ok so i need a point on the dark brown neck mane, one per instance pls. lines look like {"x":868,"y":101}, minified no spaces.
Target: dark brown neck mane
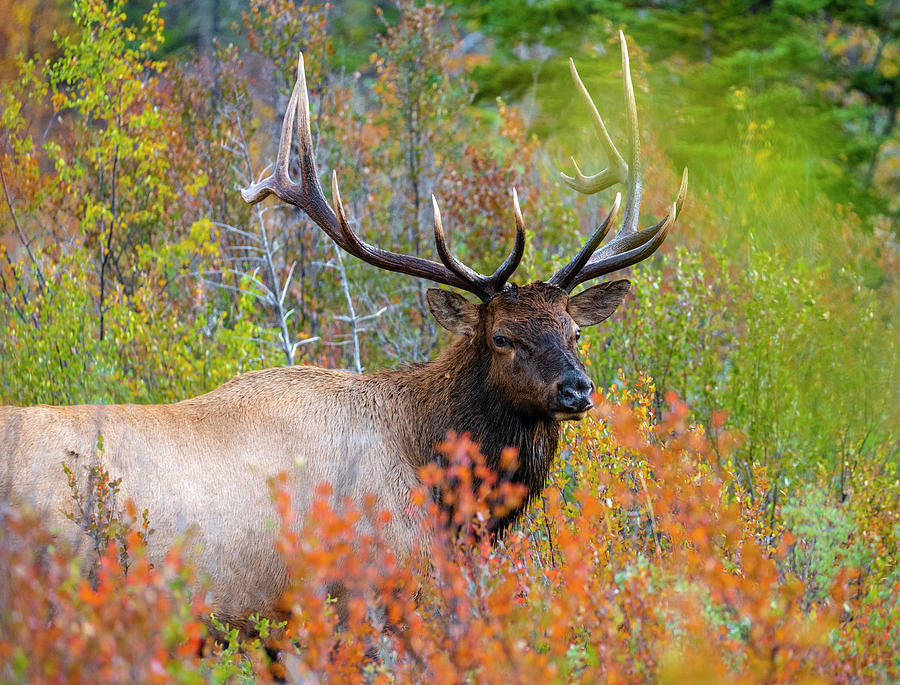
{"x":451,"y":393}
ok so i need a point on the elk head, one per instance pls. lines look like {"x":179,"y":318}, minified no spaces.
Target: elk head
{"x":528,"y":333}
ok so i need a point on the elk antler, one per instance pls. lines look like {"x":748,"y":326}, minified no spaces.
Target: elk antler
{"x":308,"y":196}
{"x":630,"y":244}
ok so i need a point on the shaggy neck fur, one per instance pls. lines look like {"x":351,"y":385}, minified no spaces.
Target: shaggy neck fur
{"x":452,"y":393}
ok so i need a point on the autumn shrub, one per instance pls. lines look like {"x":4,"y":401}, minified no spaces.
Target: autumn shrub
{"x":642,"y":560}
{"x":126,"y":623}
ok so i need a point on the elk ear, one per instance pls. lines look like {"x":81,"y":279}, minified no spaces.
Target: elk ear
{"x":596,"y":304}
{"x":452,"y":311}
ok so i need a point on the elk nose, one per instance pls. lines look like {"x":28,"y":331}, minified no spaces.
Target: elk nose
{"x":573,"y":392}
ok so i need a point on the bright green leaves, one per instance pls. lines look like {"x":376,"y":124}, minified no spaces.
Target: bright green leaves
{"x":104,"y":91}
{"x":801,"y":363}
{"x":112,"y":309}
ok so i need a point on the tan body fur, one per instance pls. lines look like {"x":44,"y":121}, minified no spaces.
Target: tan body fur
{"x":200,"y":467}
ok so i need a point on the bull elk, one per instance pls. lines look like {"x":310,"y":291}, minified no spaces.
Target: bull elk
{"x":510,"y":376}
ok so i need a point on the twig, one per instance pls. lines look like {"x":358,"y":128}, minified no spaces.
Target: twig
{"x":653,"y":526}
{"x":21,"y":233}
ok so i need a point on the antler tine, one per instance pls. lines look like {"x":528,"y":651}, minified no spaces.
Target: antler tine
{"x":392,"y":261}
{"x":630,"y":245}
{"x":630,"y":249}
{"x":511,"y":263}
{"x":617,"y":171}
{"x":308,"y":196}
{"x":278,"y":183}
{"x":450,"y":260}
{"x":643,"y":244}
{"x":561,"y":278}
{"x":626,"y":240}
{"x":487,"y":285}
{"x":633,"y":206}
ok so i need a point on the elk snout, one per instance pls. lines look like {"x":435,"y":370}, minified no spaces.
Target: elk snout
{"x":573,"y":395}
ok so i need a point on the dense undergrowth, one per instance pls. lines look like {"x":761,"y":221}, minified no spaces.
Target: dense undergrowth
{"x":730,"y":513}
{"x":646,"y":559}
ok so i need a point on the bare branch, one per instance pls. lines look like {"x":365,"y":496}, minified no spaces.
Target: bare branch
{"x":37,"y":267}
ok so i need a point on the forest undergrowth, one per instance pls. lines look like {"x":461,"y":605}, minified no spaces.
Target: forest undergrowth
{"x":645,"y":558}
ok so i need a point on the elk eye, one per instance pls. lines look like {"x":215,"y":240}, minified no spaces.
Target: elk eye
{"x":502,"y":341}
{"x":577,"y":333}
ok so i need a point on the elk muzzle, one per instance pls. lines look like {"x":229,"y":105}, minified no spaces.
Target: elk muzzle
{"x":573,"y":396}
